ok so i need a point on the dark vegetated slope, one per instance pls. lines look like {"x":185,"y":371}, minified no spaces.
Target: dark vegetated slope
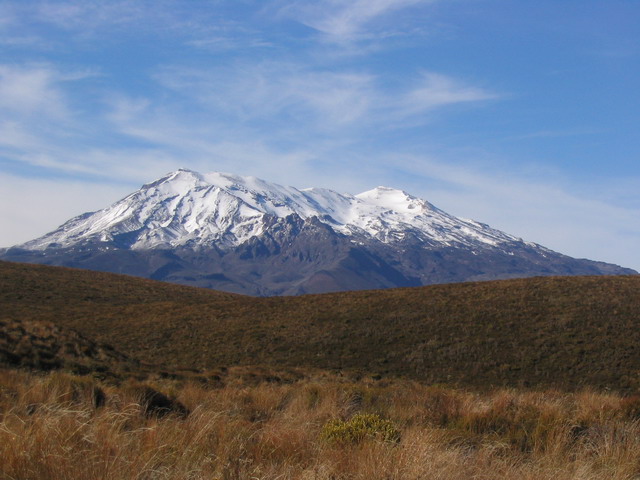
{"x":42,"y":345}
{"x":566,"y":332}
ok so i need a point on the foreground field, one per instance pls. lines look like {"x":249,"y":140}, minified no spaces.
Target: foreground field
{"x":60,"y":426}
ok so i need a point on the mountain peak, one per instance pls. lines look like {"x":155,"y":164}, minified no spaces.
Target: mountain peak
{"x":187,"y":207}
{"x":248,"y":235}
{"x":181,"y":176}
{"x":395,"y":200}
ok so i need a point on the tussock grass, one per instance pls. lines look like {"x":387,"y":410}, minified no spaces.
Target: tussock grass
{"x":360,"y":427}
{"x":52,"y":428}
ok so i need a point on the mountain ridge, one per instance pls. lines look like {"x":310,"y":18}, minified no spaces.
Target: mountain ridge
{"x":212,"y":205}
{"x":247,"y":235}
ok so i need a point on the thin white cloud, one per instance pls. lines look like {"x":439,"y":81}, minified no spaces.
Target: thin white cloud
{"x":87,"y":15}
{"x":92,"y":22}
{"x":28,"y":90}
{"x":36,"y":90}
{"x":339,"y":98}
{"x":213,"y":42}
{"x":39,"y":118}
{"x":15,"y":135}
{"x":437,"y":90}
{"x":344,"y":20}
{"x":324,"y":100}
{"x":180,"y":141}
{"x":201,"y":25}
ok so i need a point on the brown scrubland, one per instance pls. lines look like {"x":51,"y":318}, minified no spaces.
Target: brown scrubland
{"x":112,"y":377}
{"x":548,"y":332}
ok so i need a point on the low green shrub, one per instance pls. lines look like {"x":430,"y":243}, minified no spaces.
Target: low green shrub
{"x":360,"y":427}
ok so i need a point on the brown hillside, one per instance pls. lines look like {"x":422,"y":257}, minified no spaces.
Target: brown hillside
{"x":45,"y":346}
{"x":567,"y":332}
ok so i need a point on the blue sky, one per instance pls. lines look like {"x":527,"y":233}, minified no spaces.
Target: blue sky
{"x":515,"y":113}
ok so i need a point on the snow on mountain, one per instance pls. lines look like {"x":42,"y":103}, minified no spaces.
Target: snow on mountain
{"x":249,"y":236}
{"x":186,"y":207}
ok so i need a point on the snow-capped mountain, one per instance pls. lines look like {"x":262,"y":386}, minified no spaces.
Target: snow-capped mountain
{"x":189,"y":208}
{"x":247,"y":235}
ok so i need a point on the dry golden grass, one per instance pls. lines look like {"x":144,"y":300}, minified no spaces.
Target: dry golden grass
{"x":51,"y":428}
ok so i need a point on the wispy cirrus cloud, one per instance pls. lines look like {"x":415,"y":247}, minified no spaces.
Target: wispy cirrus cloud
{"x":239,"y":113}
{"x":92,"y":23}
{"x":39,"y":94}
{"x":344,"y":20}
{"x":41,"y":121}
{"x":31,"y":89}
{"x":328,"y":100}
{"x":435,"y":90}
{"x":277,"y":90}
{"x":35,"y":112}
{"x":86,"y":16}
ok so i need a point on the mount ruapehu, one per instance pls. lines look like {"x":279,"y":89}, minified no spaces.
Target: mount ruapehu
{"x":246,"y":235}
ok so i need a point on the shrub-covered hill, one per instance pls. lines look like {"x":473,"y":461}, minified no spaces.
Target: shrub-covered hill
{"x":44,"y":346}
{"x":566,"y":332}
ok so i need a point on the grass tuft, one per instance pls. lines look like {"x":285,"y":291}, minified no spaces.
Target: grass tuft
{"x":360,"y":427}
